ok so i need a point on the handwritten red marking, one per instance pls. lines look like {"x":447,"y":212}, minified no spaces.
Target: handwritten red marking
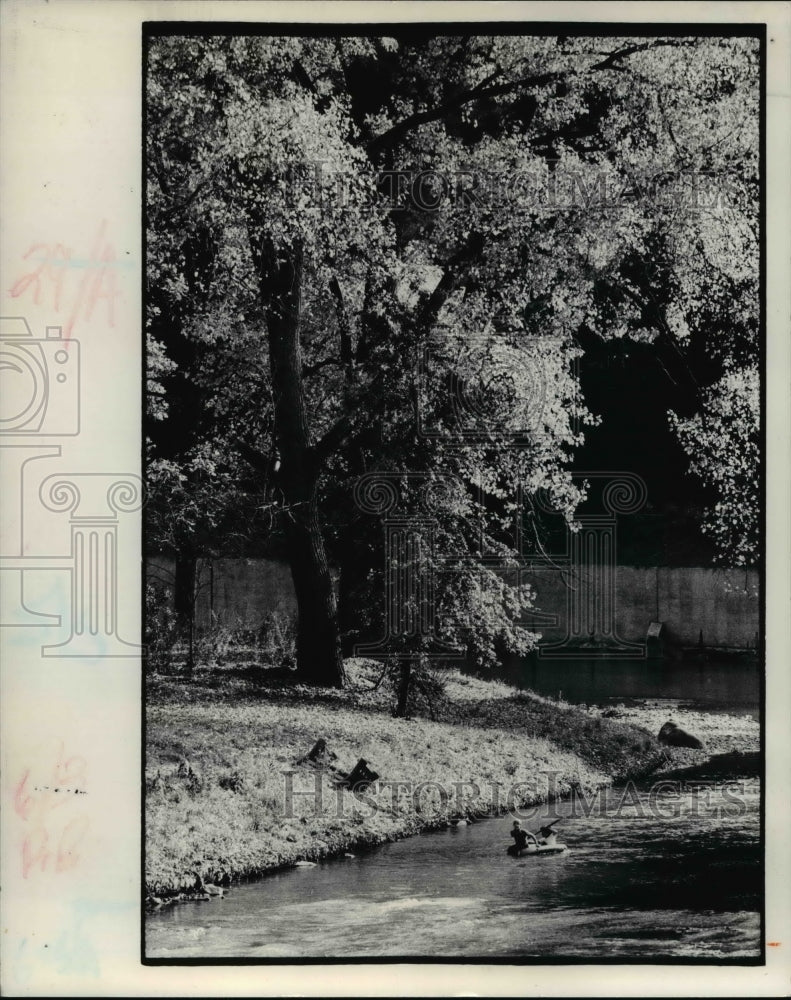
{"x":23,"y":803}
{"x":47,"y":268}
{"x":73,"y":832}
{"x":54,"y":262}
{"x":43,"y":849}
{"x":34,"y":850}
{"x":773,"y":944}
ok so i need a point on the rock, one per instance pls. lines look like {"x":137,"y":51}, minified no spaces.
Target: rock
{"x":201,"y":889}
{"x":671,"y":735}
{"x":304,"y":864}
{"x":360,"y":777}
{"x":319,"y":755}
{"x":350,"y":855}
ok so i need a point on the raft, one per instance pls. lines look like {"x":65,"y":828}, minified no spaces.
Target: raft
{"x":532,"y":849}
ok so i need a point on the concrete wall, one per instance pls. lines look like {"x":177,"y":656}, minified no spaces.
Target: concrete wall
{"x":722,"y":603}
{"x":242,"y":591}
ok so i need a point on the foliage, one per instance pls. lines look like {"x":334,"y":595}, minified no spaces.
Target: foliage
{"x":606,"y":190}
{"x":724,"y":442}
{"x":277,"y":642}
{"x":217,"y":644}
{"x":162,"y":632}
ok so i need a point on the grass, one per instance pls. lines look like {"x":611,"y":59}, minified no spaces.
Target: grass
{"x":225,"y":789}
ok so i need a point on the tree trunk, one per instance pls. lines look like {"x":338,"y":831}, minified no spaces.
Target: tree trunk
{"x":405,"y":682}
{"x":319,"y":658}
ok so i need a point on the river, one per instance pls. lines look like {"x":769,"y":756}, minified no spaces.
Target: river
{"x":713,"y":686}
{"x":669,"y":874}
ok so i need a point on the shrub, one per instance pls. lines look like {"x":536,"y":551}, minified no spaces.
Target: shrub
{"x":421,"y":691}
{"x":277,"y":639}
{"x":232,"y":782}
{"x":161,"y":630}
{"x":216,"y":645}
{"x":193,"y":782}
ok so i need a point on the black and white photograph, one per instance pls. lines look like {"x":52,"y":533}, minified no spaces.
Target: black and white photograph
{"x":394,"y":492}
{"x":454,"y":456}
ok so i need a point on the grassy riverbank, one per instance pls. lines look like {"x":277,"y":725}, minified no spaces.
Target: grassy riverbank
{"x":731,"y":743}
{"x":225,"y":789}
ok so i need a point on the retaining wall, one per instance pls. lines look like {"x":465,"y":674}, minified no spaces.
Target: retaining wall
{"x":723,"y":604}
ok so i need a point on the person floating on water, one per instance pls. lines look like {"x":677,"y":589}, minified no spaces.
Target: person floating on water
{"x":524,"y":838}
{"x":548,"y":835}
{"x":519,"y":835}
{"x":521,"y":838}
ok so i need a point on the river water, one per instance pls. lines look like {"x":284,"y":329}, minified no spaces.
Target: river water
{"x":673,"y":873}
{"x":712,"y":686}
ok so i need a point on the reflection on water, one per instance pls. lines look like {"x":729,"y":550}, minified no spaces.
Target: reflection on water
{"x":714,"y":686}
{"x":674,"y":875}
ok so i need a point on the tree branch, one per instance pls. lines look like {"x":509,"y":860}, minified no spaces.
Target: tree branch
{"x":653,"y":310}
{"x":259,"y":461}
{"x":181,"y":205}
{"x":341,"y":430}
{"x":344,"y":328}
{"x":331,"y":440}
{"x":609,"y":62}
{"x":371,"y":321}
{"x":300,"y":74}
{"x":308,"y":370}
{"x":450,"y":279}
{"x":483,"y":91}
{"x":400,"y":129}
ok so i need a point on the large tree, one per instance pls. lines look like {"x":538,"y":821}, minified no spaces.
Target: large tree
{"x":326,"y":210}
